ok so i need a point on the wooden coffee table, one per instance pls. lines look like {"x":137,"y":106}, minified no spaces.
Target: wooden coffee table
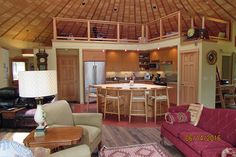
{"x":55,"y":137}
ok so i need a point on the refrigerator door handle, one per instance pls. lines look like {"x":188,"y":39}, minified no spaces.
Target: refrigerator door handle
{"x":95,"y":74}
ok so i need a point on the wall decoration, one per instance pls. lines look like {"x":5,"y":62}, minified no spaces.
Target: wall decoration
{"x":212,"y":57}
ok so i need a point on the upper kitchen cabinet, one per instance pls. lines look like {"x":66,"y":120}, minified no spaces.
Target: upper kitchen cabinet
{"x":167,"y":57}
{"x":94,"y":55}
{"x":122,"y":61}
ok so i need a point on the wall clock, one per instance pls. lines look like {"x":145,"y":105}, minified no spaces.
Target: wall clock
{"x":192,"y":33}
{"x":42,"y":60}
{"x":212,"y":57}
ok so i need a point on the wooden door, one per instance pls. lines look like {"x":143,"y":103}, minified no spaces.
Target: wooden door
{"x":189,"y":77}
{"x":68,"y":77}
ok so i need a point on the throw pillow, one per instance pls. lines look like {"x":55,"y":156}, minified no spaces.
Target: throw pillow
{"x":177,"y":117}
{"x":228,"y":152}
{"x":195,"y":111}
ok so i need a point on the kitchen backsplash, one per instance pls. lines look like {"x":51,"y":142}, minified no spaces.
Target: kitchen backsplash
{"x":123,"y":74}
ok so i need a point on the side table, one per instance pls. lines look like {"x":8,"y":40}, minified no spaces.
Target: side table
{"x":9,"y":117}
{"x":55,"y":138}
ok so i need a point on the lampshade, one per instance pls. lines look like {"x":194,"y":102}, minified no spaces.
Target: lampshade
{"x":34,"y":84}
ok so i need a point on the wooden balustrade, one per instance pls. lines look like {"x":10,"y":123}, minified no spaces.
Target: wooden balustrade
{"x":110,"y":31}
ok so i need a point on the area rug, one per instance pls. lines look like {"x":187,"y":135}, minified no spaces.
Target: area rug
{"x":140,"y":150}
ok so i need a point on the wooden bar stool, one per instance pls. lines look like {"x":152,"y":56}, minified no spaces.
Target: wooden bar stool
{"x":94,"y":94}
{"x":159,"y":96}
{"x":112,"y":98}
{"x":138,"y":95}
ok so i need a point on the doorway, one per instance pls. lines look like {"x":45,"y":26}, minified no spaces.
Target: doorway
{"x":68,"y":74}
{"x":189,"y":76}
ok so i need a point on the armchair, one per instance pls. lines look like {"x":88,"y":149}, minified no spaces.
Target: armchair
{"x":59,"y":113}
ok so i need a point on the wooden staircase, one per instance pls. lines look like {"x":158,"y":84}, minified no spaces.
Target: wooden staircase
{"x":219,"y":95}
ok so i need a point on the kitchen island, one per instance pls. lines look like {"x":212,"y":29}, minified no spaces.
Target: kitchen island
{"x":124,"y":91}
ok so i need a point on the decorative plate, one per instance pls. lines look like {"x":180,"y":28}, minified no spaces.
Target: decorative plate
{"x":14,"y":149}
{"x":190,"y":33}
{"x":212,"y":57}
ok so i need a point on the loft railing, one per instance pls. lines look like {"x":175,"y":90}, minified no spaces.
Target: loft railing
{"x":109,"y":31}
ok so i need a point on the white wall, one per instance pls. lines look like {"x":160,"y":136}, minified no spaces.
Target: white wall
{"x":4,"y":67}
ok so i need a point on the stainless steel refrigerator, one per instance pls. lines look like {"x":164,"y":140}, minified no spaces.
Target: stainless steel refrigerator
{"x":94,"y":73}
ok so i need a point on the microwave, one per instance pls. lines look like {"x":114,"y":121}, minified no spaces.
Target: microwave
{"x":154,"y":65}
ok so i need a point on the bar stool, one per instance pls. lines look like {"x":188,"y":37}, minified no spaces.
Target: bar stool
{"x":159,"y":95}
{"x":112,"y":96}
{"x":138,"y":95}
{"x":94,"y":93}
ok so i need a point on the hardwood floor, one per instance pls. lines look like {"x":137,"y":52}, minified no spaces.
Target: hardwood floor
{"x":113,"y":136}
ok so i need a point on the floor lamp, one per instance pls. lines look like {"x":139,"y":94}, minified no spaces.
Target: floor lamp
{"x":38,"y":84}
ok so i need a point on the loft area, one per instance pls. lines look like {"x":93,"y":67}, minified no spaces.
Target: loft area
{"x":172,"y":25}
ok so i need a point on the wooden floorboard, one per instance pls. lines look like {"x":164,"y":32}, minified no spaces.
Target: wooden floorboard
{"x":113,"y":136}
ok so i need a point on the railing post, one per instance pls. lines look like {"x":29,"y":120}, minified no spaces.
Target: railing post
{"x":203,"y":22}
{"x":54,"y":28}
{"x":88,"y":25}
{"x":179,"y":24}
{"x":192,"y":22}
{"x":161,"y":33}
{"x":118,"y":32}
{"x":142,"y":31}
{"x":147,"y":36}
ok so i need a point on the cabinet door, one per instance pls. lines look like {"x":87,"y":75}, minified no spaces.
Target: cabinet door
{"x":130,"y":61}
{"x":113,"y":61}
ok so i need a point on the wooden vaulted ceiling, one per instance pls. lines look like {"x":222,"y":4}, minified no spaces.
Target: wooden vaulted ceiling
{"x":31,"y":20}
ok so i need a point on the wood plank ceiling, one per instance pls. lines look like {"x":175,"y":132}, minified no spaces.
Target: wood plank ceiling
{"x":31,"y":20}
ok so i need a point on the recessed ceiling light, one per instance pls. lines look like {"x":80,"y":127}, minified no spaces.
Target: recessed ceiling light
{"x":158,"y":48}
{"x":115,"y":9}
{"x":125,"y":50}
{"x":154,"y":7}
{"x":83,"y":3}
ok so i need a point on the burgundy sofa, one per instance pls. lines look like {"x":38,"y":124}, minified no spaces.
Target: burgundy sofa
{"x":215,"y":122}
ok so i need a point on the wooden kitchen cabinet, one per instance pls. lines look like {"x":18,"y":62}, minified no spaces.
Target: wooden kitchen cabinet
{"x":122,"y":61}
{"x":92,"y":55}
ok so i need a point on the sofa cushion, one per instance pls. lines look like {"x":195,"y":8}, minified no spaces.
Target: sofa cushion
{"x":93,"y":132}
{"x":200,"y":141}
{"x":177,"y":128}
{"x":58,"y":112}
{"x":221,"y":122}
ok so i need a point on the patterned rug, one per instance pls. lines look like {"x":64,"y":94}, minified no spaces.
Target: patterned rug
{"x":140,"y":150}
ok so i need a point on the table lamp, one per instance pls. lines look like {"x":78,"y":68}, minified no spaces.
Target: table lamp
{"x":38,"y":84}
